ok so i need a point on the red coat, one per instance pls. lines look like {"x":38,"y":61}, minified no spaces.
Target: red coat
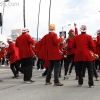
{"x":49,"y":47}
{"x":2,"y":52}
{"x":70,"y":49}
{"x":98,"y":45}
{"x":76,"y":31}
{"x":33,"y":48}
{"x":13,"y":52}
{"x":23,"y":42}
{"x":95,"y":42}
{"x":37,"y":47}
{"x":83,"y":44}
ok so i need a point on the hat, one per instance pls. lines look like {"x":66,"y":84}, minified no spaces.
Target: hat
{"x":9,"y":39}
{"x":98,"y":31}
{"x":25,"y":30}
{"x":94,"y":38}
{"x":52,"y":27}
{"x":83,"y":28}
{"x":70,"y":31}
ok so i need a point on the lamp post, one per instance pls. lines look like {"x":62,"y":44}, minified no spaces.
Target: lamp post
{"x":3,"y":14}
{"x":49,"y":13}
{"x":24,"y":20}
{"x":65,"y":26}
{"x":38,"y":19}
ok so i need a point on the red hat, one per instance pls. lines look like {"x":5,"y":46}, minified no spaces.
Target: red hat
{"x":71,"y":30}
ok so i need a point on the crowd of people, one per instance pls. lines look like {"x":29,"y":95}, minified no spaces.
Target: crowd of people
{"x":80,"y":51}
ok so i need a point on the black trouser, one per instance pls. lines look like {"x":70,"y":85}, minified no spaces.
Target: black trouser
{"x":69,"y":59}
{"x":40,"y":64}
{"x":97,"y":62}
{"x":94,"y":71}
{"x":89,"y":65}
{"x":56,"y":65}
{"x":71,"y":67}
{"x":3,"y":60}
{"x":15,"y":68}
{"x":61,"y":64}
{"x":27,"y":65}
{"x":45,"y":72}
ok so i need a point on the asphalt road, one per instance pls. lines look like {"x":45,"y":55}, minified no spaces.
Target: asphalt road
{"x":15,"y":89}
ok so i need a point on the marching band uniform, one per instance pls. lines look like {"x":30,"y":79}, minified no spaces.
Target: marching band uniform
{"x":50,"y":51}
{"x":23,"y":42}
{"x":63,"y":55}
{"x":70,"y":51}
{"x":83,"y":44}
{"x":13,"y":53}
{"x":40,"y":61}
{"x":98,"y":47}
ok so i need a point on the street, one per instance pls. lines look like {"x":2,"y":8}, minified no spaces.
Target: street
{"x":15,"y":89}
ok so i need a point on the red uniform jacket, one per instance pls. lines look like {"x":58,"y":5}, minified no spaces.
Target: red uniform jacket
{"x":98,"y":45}
{"x":2,"y":52}
{"x":83,"y":44}
{"x":37,"y":47}
{"x":33,"y":48}
{"x":70,"y":49}
{"x":23,"y":42}
{"x":13,"y":52}
{"x":95,"y":42}
{"x":50,"y":48}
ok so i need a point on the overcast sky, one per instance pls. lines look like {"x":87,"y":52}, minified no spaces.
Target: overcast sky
{"x":63,"y":12}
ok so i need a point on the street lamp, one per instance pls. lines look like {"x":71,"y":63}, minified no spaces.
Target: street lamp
{"x":65,"y":26}
{"x":49,"y":13}
{"x":24,"y":14}
{"x":38,"y":19}
{"x":3,"y":13}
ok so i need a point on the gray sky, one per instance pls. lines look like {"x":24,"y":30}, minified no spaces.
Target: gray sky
{"x":63,"y":12}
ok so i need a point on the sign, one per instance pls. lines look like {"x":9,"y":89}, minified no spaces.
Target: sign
{"x":15,"y":33}
{"x":62,"y":34}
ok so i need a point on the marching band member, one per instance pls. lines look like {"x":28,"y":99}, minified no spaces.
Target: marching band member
{"x":23,"y":42}
{"x":83,"y":44}
{"x":63,"y":54}
{"x":70,"y":51}
{"x":98,"y":48}
{"x":40,"y":61}
{"x":13,"y":53}
{"x":50,"y":51}
{"x":2,"y":53}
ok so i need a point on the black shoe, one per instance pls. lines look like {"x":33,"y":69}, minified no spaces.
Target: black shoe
{"x":92,"y":86}
{"x":43,"y":74}
{"x":32,"y":81}
{"x":59,"y":75}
